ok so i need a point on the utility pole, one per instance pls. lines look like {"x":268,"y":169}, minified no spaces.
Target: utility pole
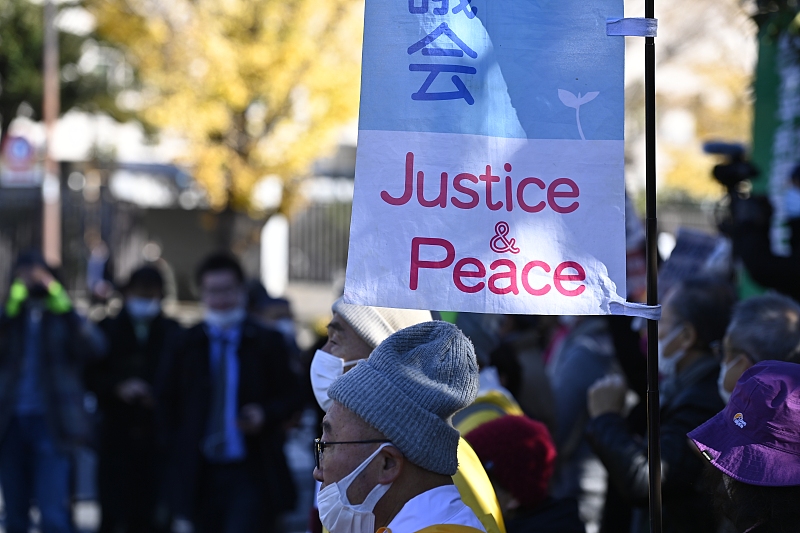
{"x":51,"y":185}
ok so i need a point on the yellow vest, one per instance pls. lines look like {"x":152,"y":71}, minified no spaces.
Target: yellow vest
{"x":473,"y":484}
{"x":476,"y":492}
{"x":439,"y":528}
{"x":485,"y":408}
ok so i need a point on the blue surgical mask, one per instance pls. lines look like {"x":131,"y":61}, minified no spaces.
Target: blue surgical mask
{"x":143,"y":308}
{"x":224,"y":319}
{"x":285,"y":326}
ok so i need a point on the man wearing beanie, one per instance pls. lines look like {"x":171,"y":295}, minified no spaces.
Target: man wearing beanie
{"x":519,"y":455}
{"x":388,"y":449}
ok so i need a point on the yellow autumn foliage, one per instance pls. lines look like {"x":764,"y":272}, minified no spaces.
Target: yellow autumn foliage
{"x":725,"y":114}
{"x":255,"y":87}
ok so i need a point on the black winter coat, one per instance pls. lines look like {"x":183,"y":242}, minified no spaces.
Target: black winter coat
{"x":552,"y":516}
{"x":265,"y":378}
{"x":688,"y":401}
{"x":126,"y":358}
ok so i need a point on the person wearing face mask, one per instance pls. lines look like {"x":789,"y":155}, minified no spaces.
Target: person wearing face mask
{"x":44,"y":345}
{"x":130,"y":456}
{"x":762,"y":328}
{"x":584,"y":354}
{"x":752,"y":449}
{"x":695,"y":314}
{"x":274,"y":313}
{"x":353,"y":333}
{"x":388,"y":451}
{"x":228,"y":393}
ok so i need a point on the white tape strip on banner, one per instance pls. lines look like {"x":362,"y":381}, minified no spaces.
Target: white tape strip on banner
{"x":631,"y":27}
{"x":622,"y":307}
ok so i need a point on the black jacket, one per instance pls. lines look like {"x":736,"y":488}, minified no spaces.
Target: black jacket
{"x":126,"y":358}
{"x":552,"y":516}
{"x":67,"y":343}
{"x":751,"y":242}
{"x":687,"y":401}
{"x":265,"y":378}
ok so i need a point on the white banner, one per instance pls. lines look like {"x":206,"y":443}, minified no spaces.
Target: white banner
{"x":490,"y":167}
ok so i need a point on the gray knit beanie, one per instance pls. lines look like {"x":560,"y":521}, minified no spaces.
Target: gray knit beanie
{"x":410,"y":388}
{"x":374,"y":324}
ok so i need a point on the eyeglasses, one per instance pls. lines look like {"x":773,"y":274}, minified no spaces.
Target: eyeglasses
{"x":319,"y":446}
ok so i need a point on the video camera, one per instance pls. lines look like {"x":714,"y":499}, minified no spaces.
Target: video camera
{"x":736,"y":167}
{"x":738,"y":206}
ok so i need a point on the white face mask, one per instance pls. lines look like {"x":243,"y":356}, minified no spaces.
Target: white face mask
{"x":667,"y":365}
{"x":224,"y":319}
{"x":143,"y":308}
{"x":336,"y":512}
{"x":325,"y":368}
{"x":285,"y":326}
{"x":723,"y":371}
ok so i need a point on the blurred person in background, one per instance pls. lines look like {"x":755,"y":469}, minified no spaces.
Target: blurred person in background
{"x":695,"y":314}
{"x":630,"y":348}
{"x":578,"y":359}
{"x":519,"y":456}
{"x":521,"y":363}
{"x":99,"y":268}
{"x":494,"y":399}
{"x":353,"y":333}
{"x":753,"y":449}
{"x":275,"y":313}
{"x":44,"y":345}
{"x":131,"y":454}
{"x":750,"y":228}
{"x":762,"y":328}
{"x":228,"y":394}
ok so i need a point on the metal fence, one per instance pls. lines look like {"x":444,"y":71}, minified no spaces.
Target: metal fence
{"x":318,"y":240}
{"x":115,"y":223}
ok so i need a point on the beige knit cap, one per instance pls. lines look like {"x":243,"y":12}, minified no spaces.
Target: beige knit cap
{"x":375,"y":324}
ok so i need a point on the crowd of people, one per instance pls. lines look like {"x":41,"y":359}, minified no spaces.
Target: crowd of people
{"x":190,"y":423}
{"x":434,"y":422}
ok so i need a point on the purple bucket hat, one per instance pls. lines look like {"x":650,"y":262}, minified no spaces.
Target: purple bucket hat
{"x":756,"y":438}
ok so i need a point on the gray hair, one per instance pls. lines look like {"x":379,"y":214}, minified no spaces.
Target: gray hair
{"x":766,"y":327}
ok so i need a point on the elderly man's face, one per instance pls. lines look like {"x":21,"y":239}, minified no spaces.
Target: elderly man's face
{"x":338,"y":460}
{"x":344,"y":342}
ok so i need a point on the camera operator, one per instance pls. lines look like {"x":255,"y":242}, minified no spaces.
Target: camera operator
{"x":750,"y":219}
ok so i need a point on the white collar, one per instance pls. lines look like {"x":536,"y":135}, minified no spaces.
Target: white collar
{"x":441,"y":505}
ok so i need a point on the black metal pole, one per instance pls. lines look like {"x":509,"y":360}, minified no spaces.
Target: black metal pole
{"x":651,"y":234}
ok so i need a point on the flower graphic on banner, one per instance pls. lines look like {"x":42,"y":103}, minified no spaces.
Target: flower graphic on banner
{"x":570,"y":100}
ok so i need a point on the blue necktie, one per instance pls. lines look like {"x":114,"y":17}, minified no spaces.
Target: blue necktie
{"x":216,"y":443}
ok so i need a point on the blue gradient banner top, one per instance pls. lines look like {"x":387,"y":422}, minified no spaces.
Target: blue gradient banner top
{"x":535,"y":69}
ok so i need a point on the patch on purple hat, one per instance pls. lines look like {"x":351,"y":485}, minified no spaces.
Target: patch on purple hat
{"x":755,"y":439}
